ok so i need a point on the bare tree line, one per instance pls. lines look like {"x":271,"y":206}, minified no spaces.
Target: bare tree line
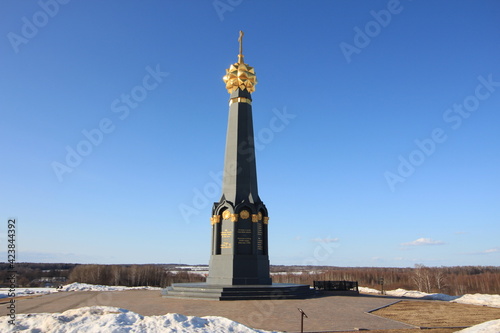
{"x":28,"y":274}
{"x":447,"y":280}
{"x":132,"y":275}
{"x":457,"y":280}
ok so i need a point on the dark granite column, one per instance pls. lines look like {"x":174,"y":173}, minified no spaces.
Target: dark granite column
{"x":240,"y":218}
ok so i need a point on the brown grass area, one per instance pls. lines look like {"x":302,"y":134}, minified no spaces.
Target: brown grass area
{"x":438,"y":314}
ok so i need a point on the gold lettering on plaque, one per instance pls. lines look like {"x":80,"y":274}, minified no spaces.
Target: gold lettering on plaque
{"x":225,"y":235}
{"x":245,"y":240}
{"x":260,"y":246}
{"x":244,"y":231}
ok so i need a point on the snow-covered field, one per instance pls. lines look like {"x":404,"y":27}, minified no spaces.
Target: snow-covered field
{"x":474,"y":299}
{"x":70,"y":287}
{"x":492,"y":326}
{"x":95,"y":287}
{"x":4,"y":292}
{"x":112,"y":319}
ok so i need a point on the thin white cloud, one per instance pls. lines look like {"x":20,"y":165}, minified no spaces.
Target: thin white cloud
{"x":423,"y":241}
{"x":325,"y":240}
{"x":485,"y":252}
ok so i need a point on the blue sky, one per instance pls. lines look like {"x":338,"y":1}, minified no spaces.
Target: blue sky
{"x":376,"y":125}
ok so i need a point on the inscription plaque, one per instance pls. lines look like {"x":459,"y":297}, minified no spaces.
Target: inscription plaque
{"x":226,"y":239}
{"x":245,"y":240}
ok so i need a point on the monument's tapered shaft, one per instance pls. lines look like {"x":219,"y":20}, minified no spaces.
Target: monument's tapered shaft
{"x":240,"y":174}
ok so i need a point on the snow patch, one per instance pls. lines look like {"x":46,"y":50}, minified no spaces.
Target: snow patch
{"x":76,"y":286}
{"x":492,"y":326}
{"x":113,"y":319}
{"x":476,"y":299}
{"x":420,"y":294}
{"x":479,"y":299}
{"x":4,"y":292}
{"x":368,"y":290}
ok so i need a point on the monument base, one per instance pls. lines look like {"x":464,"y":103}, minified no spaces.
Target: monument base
{"x":203,"y":290}
{"x":229,"y":269}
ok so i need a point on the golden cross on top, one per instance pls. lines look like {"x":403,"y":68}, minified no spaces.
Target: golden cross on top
{"x":240,"y":40}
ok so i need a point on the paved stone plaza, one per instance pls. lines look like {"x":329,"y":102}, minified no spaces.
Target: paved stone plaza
{"x":327,"y":313}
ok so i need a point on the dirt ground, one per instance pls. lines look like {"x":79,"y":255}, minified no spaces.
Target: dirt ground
{"x":438,"y":314}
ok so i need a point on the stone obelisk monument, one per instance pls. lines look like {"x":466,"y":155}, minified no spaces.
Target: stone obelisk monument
{"x":239,"y":219}
{"x":239,"y":261}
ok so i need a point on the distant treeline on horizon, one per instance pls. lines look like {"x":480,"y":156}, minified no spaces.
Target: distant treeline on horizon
{"x":453,"y":280}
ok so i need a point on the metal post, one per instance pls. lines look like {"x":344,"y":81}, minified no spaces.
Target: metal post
{"x":381,"y":281}
{"x":302,"y":315}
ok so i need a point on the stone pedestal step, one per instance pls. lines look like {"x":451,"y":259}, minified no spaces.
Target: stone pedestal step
{"x":238,"y":292}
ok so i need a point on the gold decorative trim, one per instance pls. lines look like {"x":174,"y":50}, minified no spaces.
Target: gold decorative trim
{"x":260,"y":215}
{"x":215,"y":219}
{"x":244,"y":214}
{"x":226,"y":215}
{"x":266,"y":220}
{"x":240,"y":75}
{"x":234,"y":217}
{"x":240,"y":100}
{"x":255,"y":218}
